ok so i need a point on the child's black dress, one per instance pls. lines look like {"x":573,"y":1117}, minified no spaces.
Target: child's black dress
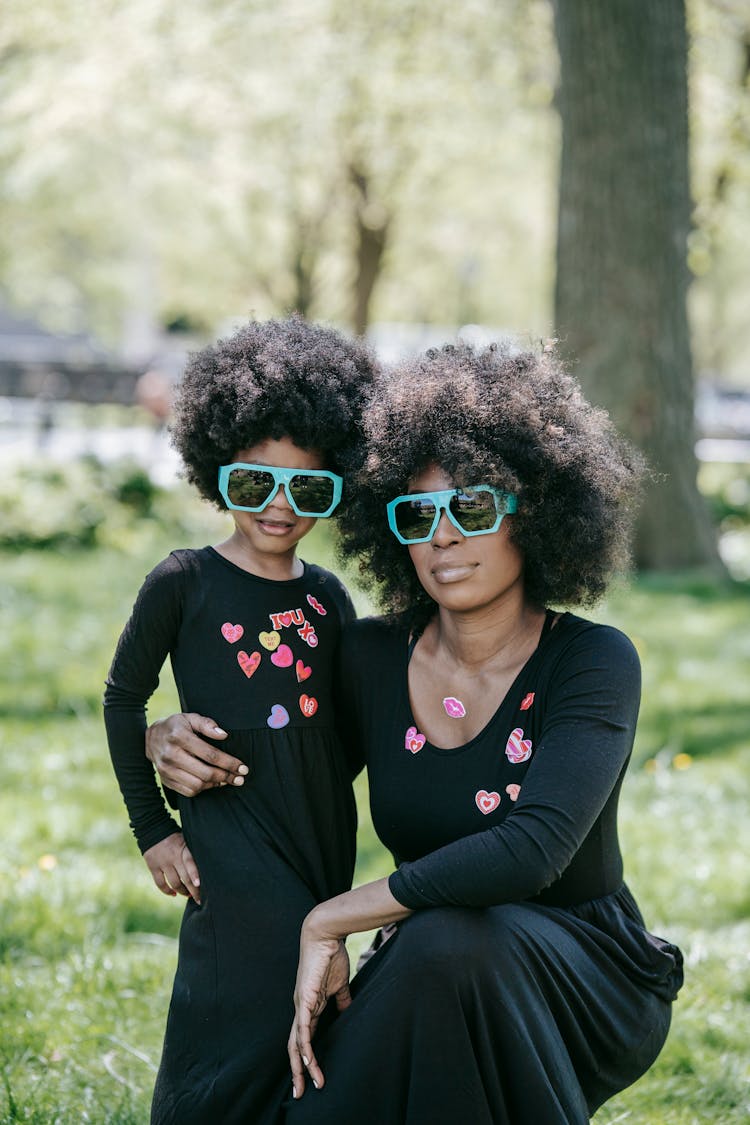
{"x":524,"y":989}
{"x":257,"y":656}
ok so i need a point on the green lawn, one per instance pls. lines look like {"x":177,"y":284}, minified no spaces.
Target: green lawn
{"x":87,"y":945}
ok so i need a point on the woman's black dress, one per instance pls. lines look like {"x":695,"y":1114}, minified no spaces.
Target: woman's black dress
{"x":524,"y":990}
{"x":256,"y":656}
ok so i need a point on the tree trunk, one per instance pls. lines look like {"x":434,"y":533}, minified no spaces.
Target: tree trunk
{"x":372,"y":223}
{"x":624,"y":216}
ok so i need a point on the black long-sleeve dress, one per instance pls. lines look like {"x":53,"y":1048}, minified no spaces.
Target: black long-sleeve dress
{"x":524,"y":990}
{"x":257,"y":656}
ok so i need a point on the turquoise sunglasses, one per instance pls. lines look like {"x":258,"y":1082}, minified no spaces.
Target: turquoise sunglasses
{"x":251,"y":488}
{"x":478,"y":510}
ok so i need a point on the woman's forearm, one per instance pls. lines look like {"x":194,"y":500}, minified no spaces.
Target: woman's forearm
{"x":365,"y":908}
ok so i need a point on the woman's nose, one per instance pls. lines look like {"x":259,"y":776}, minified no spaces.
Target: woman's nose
{"x":445,"y":533}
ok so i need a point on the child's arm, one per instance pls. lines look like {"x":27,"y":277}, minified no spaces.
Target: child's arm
{"x":186,"y":763}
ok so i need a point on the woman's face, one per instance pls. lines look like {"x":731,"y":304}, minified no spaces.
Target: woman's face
{"x":465,"y":573}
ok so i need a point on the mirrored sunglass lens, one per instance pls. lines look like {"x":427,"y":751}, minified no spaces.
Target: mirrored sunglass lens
{"x":414,"y":518}
{"x":249,"y":488}
{"x":312,"y":494}
{"x":474,"y":511}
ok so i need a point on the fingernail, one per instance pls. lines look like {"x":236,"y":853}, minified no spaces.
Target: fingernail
{"x":243,"y":769}
{"x":196,"y":881}
{"x":219,"y":730}
{"x":294,"y":1091}
{"x":238,"y":781}
{"x":305,"y":1060}
{"x":315,"y":1084}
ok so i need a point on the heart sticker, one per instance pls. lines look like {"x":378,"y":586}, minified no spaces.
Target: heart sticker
{"x":487,"y":802}
{"x":303,"y":671}
{"x":248,"y":664}
{"x":278,"y":718}
{"x":321,"y":609}
{"x":518,"y":748}
{"x":454,"y":707}
{"x":414,"y":741}
{"x":527,"y":701}
{"x":269,"y":640}
{"x":231,"y":632}
{"x":513,"y":790}
{"x":285,"y":618}
{"x":283,"y":657}
{"x":308,"y":705}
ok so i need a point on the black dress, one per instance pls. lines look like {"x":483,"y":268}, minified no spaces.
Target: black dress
{"x":524,"y":990}
{"x":257,"y":656}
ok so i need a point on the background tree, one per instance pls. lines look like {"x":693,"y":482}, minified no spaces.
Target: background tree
{"x":623,"y":224}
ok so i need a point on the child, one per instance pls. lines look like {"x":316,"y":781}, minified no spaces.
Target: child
{"x":264,"y":423}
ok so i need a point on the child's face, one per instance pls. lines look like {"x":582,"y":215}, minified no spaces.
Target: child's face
{"x":277,"y":529}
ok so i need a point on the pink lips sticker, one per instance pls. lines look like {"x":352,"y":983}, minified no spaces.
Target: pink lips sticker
{"x":518,"y":748}
{"x":248,"y":664}
{"x":414,"y":741}
{"x":283,"y":657}
{"x":454,"y":707}
{"x":278,"y":718}
{"x":231,"y":633}
{"x":487,"y":802}
{"x":527,"y":701}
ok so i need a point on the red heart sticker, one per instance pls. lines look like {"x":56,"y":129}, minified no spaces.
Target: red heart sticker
{"x":487,"y":802}
{"x":414,"y":741}
{"x":303,"y":671}
{"x":285,"y":618}
{"x":248,"y":664}
{"x":308,"y":705}
{"x":231,"y":632}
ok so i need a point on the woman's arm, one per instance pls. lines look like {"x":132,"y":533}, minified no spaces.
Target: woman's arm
{"x":323,"y":969}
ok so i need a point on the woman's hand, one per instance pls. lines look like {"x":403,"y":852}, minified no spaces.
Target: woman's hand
{"x":173,"y":868}
{"x":323,"y":972}
{"x":184,"y":761}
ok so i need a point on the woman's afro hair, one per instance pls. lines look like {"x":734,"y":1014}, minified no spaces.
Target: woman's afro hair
{"x":272,"y":379}
{"x":519,"y":422}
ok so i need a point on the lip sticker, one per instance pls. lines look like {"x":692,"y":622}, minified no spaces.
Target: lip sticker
{"x":231,"y":633}
{"x":303,"y":671}
{"x":454,"y":707}
{"x":527,"y":701}
{"x":518,"y":748}
{"x":278,"y":718}
{"x":321,"y":609}
{"x":513,"y":790}
{"x":486,"y":802}
{"x":270,"y":640}
{"x":248,"y":664}
{"x":283,"y":657}
{"x":414,"y":741}
{"x":308,"y":705}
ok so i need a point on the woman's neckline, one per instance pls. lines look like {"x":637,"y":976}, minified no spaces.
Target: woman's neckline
{"x":259,"y":577}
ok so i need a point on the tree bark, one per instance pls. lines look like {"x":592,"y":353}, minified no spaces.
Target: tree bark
{"x":623,"y":221}
{"x":372,"y":223}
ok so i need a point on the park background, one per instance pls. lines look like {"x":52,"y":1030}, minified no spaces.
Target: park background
{"x":410,"y":171}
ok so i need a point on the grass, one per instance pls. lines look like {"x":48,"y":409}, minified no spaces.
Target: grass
{"x":87,"y":946}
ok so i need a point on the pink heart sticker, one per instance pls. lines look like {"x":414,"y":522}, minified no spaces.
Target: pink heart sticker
{"x":248,"y":664}
{"x":285,"y":618}
{"x":283,"y":657}
{"x":454,"y":707}
{"x":487,"y":802}
{"x":308,"y":705}
{"x":513,"y":790}
{"x":321,"y":609}
{"x":527,"y":701}
{"x":518,"y":748}
{"x":231,"y":632}
{"x":278,"y":718}
{"x":414,"y":741}
{"x":303,"y":671}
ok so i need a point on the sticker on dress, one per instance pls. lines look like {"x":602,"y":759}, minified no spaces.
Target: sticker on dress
{"x":308,"y":634}
{"x":287,"y":618}
{"x":270,"y":641}
{"x":517,"y":748}
{"x":321,"y":609}
{"x":308,"y":705}
{"x":527,"y":701}
{"x":304,"y":671}
{"x":278,"y":718}
{"x":454,"y":708}
{"x":513,"y":790}
{"x":248,"y":664}
{"x":414,"y":740}
{"x":232,"y":633}
{"x":283,"y":657}
{"x":486,"y":802}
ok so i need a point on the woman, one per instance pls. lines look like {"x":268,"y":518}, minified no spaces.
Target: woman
{"x":518,"y":983}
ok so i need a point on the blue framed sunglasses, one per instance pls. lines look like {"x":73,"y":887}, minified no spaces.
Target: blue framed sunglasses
{"x":251,"y":488}
{"x":478,"y":510}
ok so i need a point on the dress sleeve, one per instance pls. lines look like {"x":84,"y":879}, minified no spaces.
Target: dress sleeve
{"x":585,"y":744}
{"x":133,"y":677}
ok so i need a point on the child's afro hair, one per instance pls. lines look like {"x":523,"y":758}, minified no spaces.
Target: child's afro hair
{"x":272,"y":379}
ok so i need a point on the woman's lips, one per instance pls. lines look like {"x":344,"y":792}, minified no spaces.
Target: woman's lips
{"x":452,"y":572}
